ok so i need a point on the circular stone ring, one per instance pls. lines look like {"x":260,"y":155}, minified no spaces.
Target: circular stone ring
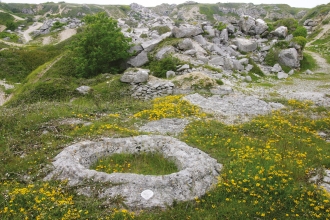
{"x":197,"y":174}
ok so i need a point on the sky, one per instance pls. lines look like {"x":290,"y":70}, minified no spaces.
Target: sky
{"x":150,"y":3}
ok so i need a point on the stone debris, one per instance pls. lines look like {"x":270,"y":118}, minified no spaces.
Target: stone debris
{"x":171,"y":126}
{"x":233,"y":108}
{"x":197,"y":173}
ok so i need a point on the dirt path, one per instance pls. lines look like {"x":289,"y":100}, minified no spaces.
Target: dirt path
{"x":323,"y":66}
{"x":326,"y":28}
{"x":12,"y":44}
{"x":3,"y":97}
{"x":26,"y":33}
{"x":16,"y":17}
{"x":46,"y":69}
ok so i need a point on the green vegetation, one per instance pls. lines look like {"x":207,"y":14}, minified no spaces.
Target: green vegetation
{"x":290,"y":23}
{"x":308,"y":62}
{"x":317,"y":11}
{"x":272,"y":56}
{"x":16,"y":64}
{"x":100,"y":47}
{"x":255,"y":68}
{"x":142,"y":163}
{"x":301,"y":41}
{"x":220,"y":26}
{"x":159,"y":68}
{"x":12,"y":37}
{"x":5,"y":17}
{"x":322,"y":47}
{"x":161,"y":29}
{"x":57,"y":25}
{"x":300,"y":31}
{"x":209,"y":10}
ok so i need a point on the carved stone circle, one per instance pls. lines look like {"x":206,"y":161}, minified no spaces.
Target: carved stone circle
{"x":197,"y":171}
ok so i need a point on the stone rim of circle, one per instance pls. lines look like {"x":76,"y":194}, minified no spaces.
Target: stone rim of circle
{"x":198,"y":172}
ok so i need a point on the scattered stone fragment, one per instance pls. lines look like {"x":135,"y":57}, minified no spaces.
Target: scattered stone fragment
{"x":83,"y":89}
{"x":166,"y":126}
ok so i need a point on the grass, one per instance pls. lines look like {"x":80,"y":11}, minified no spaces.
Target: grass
{"x":267,"y":161}
{"x":143,"y":163}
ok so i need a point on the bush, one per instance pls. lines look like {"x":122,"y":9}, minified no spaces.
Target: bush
{"x":162,"y":29}
{"x":220,"y":26}
{"x":290,"y":23}
{"x":159,"y":68}
{"x":101,"y":47}
{"x":301,"y":41}
{"x":272,"y":57}
{"x":300,"y":31}
{"x":11,"y":25}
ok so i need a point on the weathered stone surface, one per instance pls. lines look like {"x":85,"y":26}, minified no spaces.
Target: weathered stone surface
{"x":200,"y":39}
{"x":166,"y":126}
{"x":282,"y":75}
{"x":281,"y":31}
{"x":224,"y":35}
{"x":83,"y":89}
{"x":186,"y":44}
{"x":244,"y":61}
{"x":217,"y":61}
{"x":135,"y":49}
{"x":248,"y":79}
{"x":246,"y":23}
{"x":135,"y":75}
{"x":245,"y":45}
{"x":232,"y":108}
{"x":276,"y":68}
{"x":209,"y":30}
{"x":170,"y":74}
{"x":190,"y":52}
{"x":186,"y":31}
{"x":237,"y":65}
{"x":289,"y":57}
{"x":151,"y":44}
{"x":197,"y":171}
{"x":261,"y":26}
{"x":183,"y":67}
{"x":139,"y":60}
{"x":164,"y":52}
{"x":309,"y":72}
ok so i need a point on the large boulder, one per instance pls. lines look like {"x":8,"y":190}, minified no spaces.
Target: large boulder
{"x":151,"y":44}
{"x":200,"y":39}
{"x":245,"y":45}
{"x":281,"y":31}
{"x":261,"y":26}
{"x":289,"y":57}
{"x":186,"y":31}
{"x":135,"y":75}
{"x":139,"y":60}
{"x":209,"y":31}
{"x":164,"y":52}
{"x":186,"y":44}
{"x":246,"y":23}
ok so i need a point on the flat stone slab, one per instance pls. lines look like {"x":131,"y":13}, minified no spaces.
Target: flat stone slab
{"x":233,"y":108}
{"x":166,"y":126}
{"x":197,"y":174}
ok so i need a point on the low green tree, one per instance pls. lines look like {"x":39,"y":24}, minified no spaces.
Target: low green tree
{"x":100,"y":47}
{"x":11,"y":25}
{"x":300,"y":31}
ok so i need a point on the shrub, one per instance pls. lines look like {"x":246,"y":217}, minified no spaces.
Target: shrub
{"x":162,"y":29}
{"x":272,"y":57}
{"x":220,"y":26}
{"x":301,"y":41}
{"x":11,"y":25}
{"x":100,"y":47}
{"x":290,"y":23}
{"x":255,"y":68}
{"x":159,"y":68}
{"x":300,"y":31}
